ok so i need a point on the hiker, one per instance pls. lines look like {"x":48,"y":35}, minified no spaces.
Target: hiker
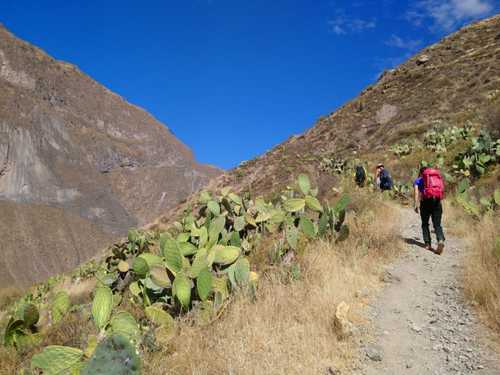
{"x":383,"y":178}
{"x":360,"y":176}
{"x":429,"y":191}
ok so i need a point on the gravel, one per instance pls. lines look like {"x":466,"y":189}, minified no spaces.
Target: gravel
{"x":431,"y":328}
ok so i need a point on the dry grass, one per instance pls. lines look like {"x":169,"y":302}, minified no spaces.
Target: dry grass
{"x":481,"y":265}
{"x":482,"y":269}
{"x":9,"y":361}
{"x":289,"y":330}
{"x":71,"y":331}
{"x":68,"y":332}
{"x":79,"y":292}
{"x":457,"y":221}
{"x":8,"y":295}
{"x":74,"y":328}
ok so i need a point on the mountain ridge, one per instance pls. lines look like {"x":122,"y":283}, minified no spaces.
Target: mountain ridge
{"x":452,"y":81}
{"x":69,"y":143}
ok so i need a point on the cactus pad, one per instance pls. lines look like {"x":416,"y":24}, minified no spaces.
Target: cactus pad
{"x":113,"y":356}
{"x":56,"y":360}
{"x":60,"y":306}
{"x":102,"y":306}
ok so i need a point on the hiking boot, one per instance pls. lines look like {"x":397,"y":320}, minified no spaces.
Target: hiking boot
{"x":440,"y":248}
{"x":429,"y":247}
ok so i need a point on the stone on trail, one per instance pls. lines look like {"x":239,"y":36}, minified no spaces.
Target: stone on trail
{"x":374,"y":352}
{"x":389,"y":278}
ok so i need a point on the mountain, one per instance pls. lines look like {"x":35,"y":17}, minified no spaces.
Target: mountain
{"x":78,"y":165}
{"x":448,"y":83}
{"x":454,"y":81}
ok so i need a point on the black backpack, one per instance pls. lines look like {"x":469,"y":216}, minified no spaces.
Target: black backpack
{"x":385,"y":180}
{"x":360,"y":175}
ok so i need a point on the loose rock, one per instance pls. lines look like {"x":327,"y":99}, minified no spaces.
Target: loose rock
{"x":423,"y":59}
{"x":343,"y":327}
{"x":374,"y":353}
{"x":388,"y":277}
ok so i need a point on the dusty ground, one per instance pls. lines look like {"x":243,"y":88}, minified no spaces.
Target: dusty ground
{"x":421,"y":323}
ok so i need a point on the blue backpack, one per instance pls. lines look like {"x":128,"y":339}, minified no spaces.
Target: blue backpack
{"x":385,"y":180}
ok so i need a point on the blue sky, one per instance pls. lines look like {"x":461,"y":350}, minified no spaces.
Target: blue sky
{"x":234,"y":78}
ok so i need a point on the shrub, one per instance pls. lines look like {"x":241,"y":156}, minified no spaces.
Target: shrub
{"x":483,"y":152}
{"x":439,"y":139}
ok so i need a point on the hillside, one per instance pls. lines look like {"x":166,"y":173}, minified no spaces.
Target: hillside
{"x":78,"y":165}
{"x":448,"y":83}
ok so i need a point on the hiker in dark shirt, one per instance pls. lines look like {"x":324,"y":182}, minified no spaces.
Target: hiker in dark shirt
{"x":360,"y":176}
{"x":429,"y":191}
{"x":383,"y":178}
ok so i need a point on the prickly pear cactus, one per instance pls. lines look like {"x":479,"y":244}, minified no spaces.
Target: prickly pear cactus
{"x":123,"y":266}
{"x":304,"y":183}
{"x":213,"y":240}
{"x":294,"y":204}
{"x":113,"y":356}
{"x":160,"y":277}
{"x":102,"y":306}
{"x":159,"y":316}
{"x":313,"y":203}
{"x":140,"y":267}
{"x":242,"y":272}
{"x":56,"y":360}
{"x":30,"y":315}
{"x":292,"y":236}
{"x":226,"y":254}
{"x":204,"y":284}
{"x":14,"y":328}
{"x":60,"y":306}
{"x":124,"y":324}
{"x":307,"y":227}
{"x":182,"y":290}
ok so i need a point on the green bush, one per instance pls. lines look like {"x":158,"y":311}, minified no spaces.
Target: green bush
{"x":482,"y":152}
{"x":402,"y":149}
{"x":439,"y":139}
{"x":333,"y":165}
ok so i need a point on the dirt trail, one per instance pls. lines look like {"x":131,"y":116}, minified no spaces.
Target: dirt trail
{"x":422,"y":324}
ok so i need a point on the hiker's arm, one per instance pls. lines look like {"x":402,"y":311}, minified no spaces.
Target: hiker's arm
{"x":417,"y":198}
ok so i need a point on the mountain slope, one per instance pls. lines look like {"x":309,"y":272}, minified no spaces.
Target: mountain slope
{"x":78,"y":164}
{"x":455,"y":80}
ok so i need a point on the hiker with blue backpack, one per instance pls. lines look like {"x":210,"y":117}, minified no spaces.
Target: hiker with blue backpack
{"x":429,"y":192}
{"x":383,"y":178}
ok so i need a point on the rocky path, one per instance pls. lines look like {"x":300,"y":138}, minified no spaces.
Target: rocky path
{"x":421,"y":321}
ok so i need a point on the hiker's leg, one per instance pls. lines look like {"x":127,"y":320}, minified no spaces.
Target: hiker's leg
{"x":437,"y":214}
{"x":425,"y":214}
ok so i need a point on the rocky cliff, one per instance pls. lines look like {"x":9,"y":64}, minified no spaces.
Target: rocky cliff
{"x":78,"y":165}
